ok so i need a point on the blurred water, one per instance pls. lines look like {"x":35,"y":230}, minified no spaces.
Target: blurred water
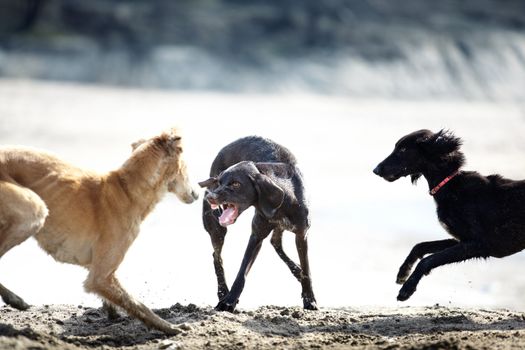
{"x":362,"y":226}
{"x":406,"y":62}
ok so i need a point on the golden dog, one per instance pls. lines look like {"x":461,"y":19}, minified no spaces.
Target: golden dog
{"x":87,"y":219}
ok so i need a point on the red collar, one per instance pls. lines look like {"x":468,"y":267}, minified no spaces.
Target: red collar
{"x":443,"y":183}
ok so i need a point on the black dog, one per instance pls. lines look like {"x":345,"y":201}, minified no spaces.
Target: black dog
{"x":256,"y":171}
{"x":484,"y":214}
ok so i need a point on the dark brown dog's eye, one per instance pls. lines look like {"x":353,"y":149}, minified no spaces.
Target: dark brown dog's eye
{"x":235,"y":184}
{"x":401,"y":150}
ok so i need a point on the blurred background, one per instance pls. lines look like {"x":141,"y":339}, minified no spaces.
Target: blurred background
{"x":336,"y":81}
{"x":391,"y":48}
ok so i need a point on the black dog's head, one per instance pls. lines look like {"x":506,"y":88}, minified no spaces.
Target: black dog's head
{"x":241,"y":186}
{"x":418,"y":152}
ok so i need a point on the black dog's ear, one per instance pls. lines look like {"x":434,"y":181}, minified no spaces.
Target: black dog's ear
{"x":271,"y":196}
{"x":442,"y":142}
{"x":207,"y":183}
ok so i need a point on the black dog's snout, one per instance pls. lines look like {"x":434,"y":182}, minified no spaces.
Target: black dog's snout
{"x":378,"y":169}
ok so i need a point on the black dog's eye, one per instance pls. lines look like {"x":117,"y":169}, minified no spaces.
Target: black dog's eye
{"x":235,"y":184}
{"x":402,"y":149}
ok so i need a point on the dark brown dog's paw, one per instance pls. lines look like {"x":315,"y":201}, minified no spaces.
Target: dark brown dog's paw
{"x":310,"y":304}
{"x":225,"y":306}
{"x":222,"y":293}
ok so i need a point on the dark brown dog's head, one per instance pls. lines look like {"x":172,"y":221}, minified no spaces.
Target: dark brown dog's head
{"x":418,"y":152}
{"x":241,"y":186}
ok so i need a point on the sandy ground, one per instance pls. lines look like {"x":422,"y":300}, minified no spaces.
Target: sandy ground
{"x":269,"y":327}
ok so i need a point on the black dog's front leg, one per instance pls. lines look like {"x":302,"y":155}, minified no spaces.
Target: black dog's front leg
{"x":259,"y":233}
{"x":418,"y":252}
{"x":457,"y":253}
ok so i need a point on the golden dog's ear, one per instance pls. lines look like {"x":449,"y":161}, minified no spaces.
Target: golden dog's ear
{"x":136,"y":144}
{"x":170,"y":142}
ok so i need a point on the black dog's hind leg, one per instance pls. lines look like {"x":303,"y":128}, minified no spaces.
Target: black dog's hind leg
{"x":277,"y":243}
{"x":307,"y":294}
{"x":457,"y":253}
{"x":260,"y":230}
{"x":217,"y":234}
{"x":418,"y":252}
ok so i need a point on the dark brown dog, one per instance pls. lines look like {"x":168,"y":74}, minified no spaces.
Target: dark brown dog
{"x":256,"y":171}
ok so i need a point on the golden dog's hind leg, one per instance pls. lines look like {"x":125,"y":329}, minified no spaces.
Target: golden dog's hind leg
{"x":22,"y":214}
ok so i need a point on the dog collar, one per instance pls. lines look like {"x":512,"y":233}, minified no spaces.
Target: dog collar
{"x":443,"y":183}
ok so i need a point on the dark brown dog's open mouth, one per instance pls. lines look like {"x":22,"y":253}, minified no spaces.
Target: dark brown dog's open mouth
{"x":230,"y":212}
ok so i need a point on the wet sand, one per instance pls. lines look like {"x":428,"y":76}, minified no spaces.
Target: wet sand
{"x":62,"y":327}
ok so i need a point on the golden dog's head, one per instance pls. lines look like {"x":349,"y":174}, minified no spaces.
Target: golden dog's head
{"x":172,"y":169}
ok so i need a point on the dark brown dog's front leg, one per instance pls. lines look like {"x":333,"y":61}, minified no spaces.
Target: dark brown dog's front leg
{"x":307,"y":294}
{"x":259,"y":233}
{"x":217,"y":234}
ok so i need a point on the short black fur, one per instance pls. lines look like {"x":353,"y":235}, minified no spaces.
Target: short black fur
{"x":482,"y":213}
{"x":255,"y":171}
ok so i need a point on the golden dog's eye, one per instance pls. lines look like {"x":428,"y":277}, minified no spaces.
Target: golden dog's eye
{"x":235,"y":184}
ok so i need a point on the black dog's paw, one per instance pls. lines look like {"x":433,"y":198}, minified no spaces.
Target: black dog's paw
{"x":223,"y":305}
{"x":310,"y":304}
{"x":404,"y":273}
{"x":401,"y":277}
{"x":405,"y":292}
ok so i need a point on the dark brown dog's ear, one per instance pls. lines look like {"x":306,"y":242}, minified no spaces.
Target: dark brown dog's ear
{"x":282,"y":170}
{"x":271,"y":196}
{"x":207,"y":183}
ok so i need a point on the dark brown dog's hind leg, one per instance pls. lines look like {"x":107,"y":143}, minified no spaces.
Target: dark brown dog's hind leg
{"x":309,"y":301}
{"x":277,"y":243}
{"x":217,"y":234}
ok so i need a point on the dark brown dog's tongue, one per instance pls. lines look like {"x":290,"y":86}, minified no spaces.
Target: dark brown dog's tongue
{"x":228,"y":216}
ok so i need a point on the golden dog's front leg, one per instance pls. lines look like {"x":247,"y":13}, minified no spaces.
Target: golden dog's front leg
{"x":110,"y":289}
{"x":101,"y":280}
